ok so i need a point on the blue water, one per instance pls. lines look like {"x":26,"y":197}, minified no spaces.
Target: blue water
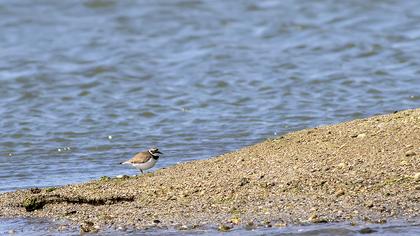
{"x":87,"y":84}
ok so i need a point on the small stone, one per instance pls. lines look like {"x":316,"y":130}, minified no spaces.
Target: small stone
{"x":381,"y":221}
{"x":250,"y":226}
{"x":362,"y":135}
{"x":32,"y":204}
{"x":156,"y":221}
{"x":369,"y":204}
{"x":243,"y":181}
{"x":317,"y":220}
{"x":313,"y":217}
{"x":266,"y":224}
{"x":367,"y":231}
{"x":416,"y":176}
{"x":88,"y":226}
{"x":339,"y":193}
{"x":280,"y":225}
{"x":321,"y":221}
{"x":183,"y":227}
{"x":235,"y":220}
{"x":341,"y":165}
{"x":12,"y":231}
{"x":322,"y":182}
{"x":70,"y":213}
{"x":50,"y":189}
{"x":122,"y":177}
{"x":224,"y":228}
{"x":35,"y":190}
{"x":410,"y":153}
{"x":104,"y":178}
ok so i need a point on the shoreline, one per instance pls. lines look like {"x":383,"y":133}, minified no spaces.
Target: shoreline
{"x":365,"y":170}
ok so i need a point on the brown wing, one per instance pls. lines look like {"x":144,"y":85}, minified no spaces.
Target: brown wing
{"x":140,"y":157}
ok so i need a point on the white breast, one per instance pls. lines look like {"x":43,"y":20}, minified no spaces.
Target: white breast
{"x":147,"y":165}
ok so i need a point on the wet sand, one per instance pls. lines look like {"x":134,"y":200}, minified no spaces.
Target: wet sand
{"x":364,"y":170}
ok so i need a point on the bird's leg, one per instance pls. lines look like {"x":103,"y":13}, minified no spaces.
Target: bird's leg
{"x":141,"y":171}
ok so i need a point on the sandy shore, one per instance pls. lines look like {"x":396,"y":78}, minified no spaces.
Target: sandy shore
{"x":363,"y":170}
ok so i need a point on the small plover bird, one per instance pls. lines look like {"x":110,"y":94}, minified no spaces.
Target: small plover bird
{"x":144,"y":160}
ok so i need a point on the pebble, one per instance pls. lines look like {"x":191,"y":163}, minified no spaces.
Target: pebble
{"x":122,"y":176}
{"x":183,"y":227}
{"x":266,"y":224}
{"x":280,"y":225}
{"x":50,"y":189}
{"x":339,"y":193}
{"x":105,"y":178}
{"x":341,"y":165}
{"x":416,"y":176}
{"x":35,"y":190}
{"x":313,"y":217}
{"x":235,"y":220}
{"x":224,"y":228}
{"x":362,"y":135}
{"x":369,"y":204}
{"x":367,"y":231}
{"x":243,"y":181}
{"x":32,"y":204}
{"x":70,"y":212}
{"x":88,"y":226}
{"x":317,"y":220}
{"x":410,"y":153}
{"x":250,"y":226}
{"x":12,"y":231}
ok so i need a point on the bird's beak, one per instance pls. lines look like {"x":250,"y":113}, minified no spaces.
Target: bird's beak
{"x":159,"y":152}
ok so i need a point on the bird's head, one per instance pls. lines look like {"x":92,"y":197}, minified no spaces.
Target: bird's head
{"x":154,"y":151}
